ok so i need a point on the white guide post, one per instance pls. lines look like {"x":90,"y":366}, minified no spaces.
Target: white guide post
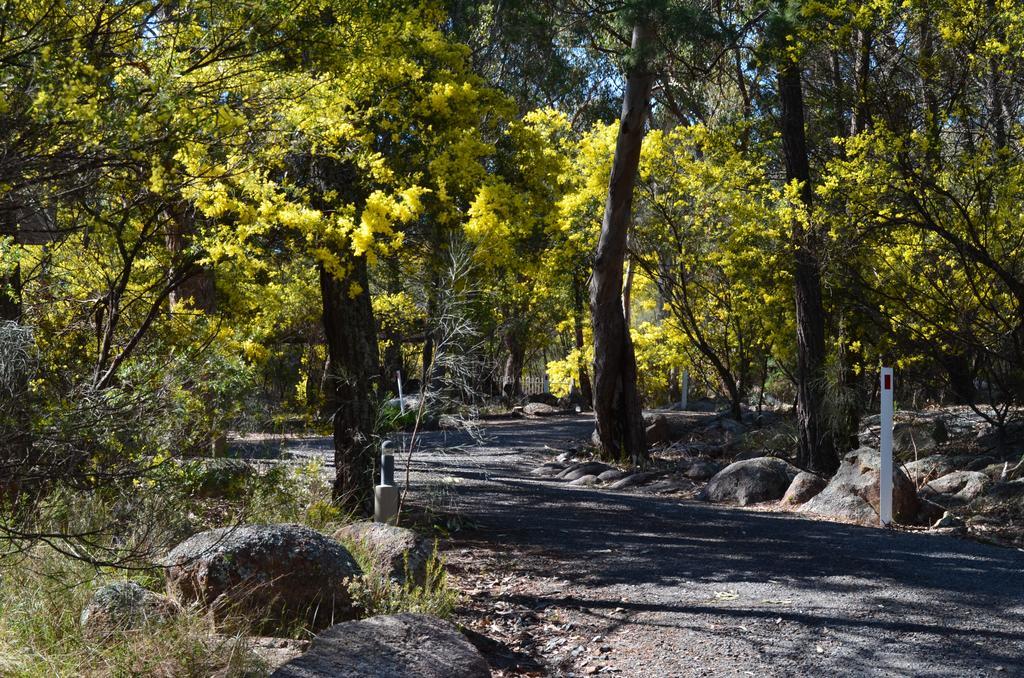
{"x":401,"y":398}
{"x":885,"y":449}
{"x":686,"y":390}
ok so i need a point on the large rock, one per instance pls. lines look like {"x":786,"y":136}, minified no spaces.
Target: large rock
{"x":611,"y":475}
{"x":393,"y":552}
{"x":548,"y":470}
{"x":750,"y":481}
{"x":124,"y":606}
{"x":274,"y":575}
{"x":924,"y":470}
{"x":634,"y":479}
{"x":804,"y":487}
{"x":957,"y":487}
{"x":669,"y":484}
{"x":852,"y":493}
{"x":395,"y":646}
{"x":586,"y":468}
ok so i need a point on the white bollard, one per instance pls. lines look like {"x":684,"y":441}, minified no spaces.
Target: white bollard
{"x":385,"y":504}
{"x":885,"y":449}
{"x":401,"y":398}
{"x":386,"y":495}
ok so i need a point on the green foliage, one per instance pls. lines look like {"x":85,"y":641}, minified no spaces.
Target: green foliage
{"x":375,"y":593}
{"x":293,"y":494}
{"x":41,"y":595}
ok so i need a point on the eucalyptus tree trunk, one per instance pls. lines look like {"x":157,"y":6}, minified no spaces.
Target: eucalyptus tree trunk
{"x":583,"y":374}
{"x":194,"y":284}
{"x":352,"y":346}
{"x":512,"y":379}
{"x":620,"y":424}
{"x":815,"y":449}
{"x":861,"y":74}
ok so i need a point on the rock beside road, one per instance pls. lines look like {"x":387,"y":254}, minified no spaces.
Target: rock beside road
{"x":274,"y":575}
{"x":548,"y":470}
{"x":611,"y":475}
{"x":852,"y":493}
{"x":804,"y":487}
{"x":669,"y":484}
{"x":634,"y":479}
{"x":929,"y":468}
{"x":395,"y":552}
{"x":957,"y":487}
{"x":395,"y":646}
{"x":750,"y":481}
{"x":586,"y":468}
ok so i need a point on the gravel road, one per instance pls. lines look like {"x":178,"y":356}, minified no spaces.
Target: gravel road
{"x":670,"y":587}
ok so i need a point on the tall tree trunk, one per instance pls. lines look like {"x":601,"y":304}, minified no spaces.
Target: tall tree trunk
{"x":815,"y":450}
{"x":352,"y":345}
{"x":861,"y":73}
{"x":620,"y":425}
{"x":392,"y":361}
{"x":512,"y":379}
{"x":198,"y":289}
{"x":427,"y":363}
{"x":583,"y":377}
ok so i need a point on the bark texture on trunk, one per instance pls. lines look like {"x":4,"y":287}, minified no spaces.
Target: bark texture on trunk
{"x":996,"y":104}
{"x":583,"y":376}
{"x":620,"y":425}
{"x":352,"y":345}
{"x":815,"y":449}
{"x":197,"y":288}
{"x":862,"y":72}
{"x":512,"y":379}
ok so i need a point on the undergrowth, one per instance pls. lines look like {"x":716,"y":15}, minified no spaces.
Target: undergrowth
{"x":376,"y":593}
{"x":42,"y":593}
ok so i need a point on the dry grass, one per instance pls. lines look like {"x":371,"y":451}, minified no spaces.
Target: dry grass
{"x":41,"y":596}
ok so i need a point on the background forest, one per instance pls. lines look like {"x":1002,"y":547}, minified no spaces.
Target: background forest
{"x":251,"y":215}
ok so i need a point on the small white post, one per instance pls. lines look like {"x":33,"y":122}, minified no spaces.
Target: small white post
{"x":386,"y":495}
{"x":401,"y":398}
{"x":885,"y":450}
{"x":684,"y":400}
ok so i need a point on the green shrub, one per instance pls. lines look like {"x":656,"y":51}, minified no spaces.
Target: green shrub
{"x":375,"y":593}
